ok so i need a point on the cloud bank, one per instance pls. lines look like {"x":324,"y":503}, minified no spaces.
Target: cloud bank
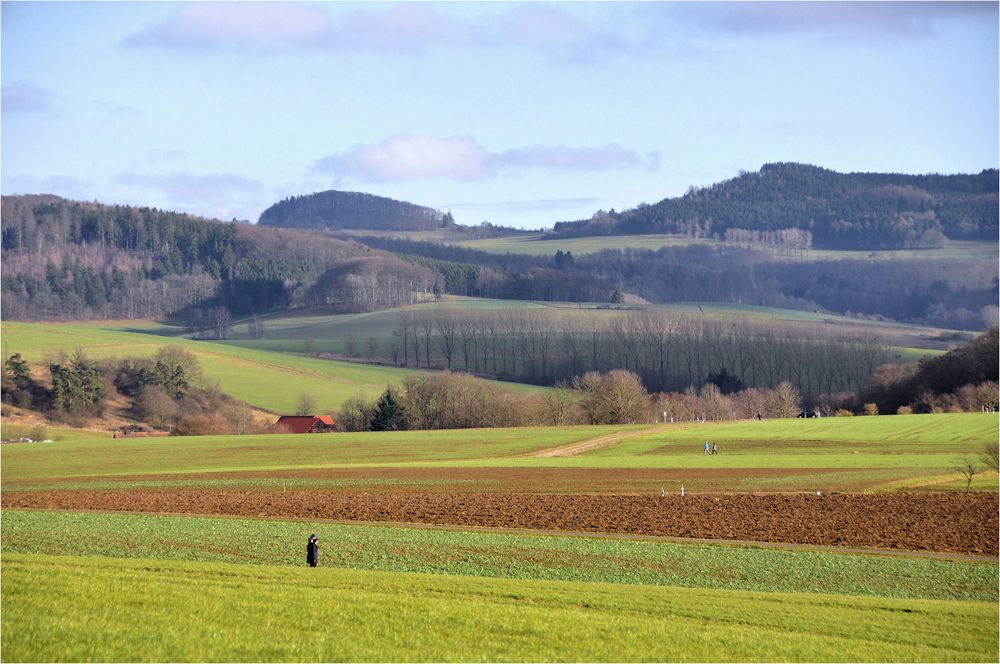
{"x":414,"y":156}
{"x":402,"y":29}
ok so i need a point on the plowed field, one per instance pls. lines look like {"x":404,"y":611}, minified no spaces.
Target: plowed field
{"x":953,"y":522}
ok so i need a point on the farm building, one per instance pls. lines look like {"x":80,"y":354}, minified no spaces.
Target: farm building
{"x":303,"y":424}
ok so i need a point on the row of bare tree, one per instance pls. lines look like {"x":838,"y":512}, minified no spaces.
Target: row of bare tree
{"x":667,"y":351}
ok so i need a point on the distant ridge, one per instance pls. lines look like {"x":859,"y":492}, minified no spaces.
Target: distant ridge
{"x":351,"y":210}
{"x":864,"y":211}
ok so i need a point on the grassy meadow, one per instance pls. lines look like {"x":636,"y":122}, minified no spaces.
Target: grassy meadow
{"x":85,"y":608}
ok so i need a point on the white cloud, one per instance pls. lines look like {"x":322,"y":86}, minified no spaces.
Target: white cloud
{"x":23,"y":97}
{"x":414,"y":156}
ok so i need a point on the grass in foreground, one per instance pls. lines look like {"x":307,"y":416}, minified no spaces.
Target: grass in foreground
{"x":84,"y":609}
{"x":607,"y":560}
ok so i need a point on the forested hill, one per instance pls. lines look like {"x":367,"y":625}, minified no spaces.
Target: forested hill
{"x":69,"y":260}
{"x":798,"y":203}
{"x":351,"y":210}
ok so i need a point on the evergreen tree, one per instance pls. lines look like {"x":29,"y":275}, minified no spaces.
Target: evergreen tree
{"x":389,"y":414}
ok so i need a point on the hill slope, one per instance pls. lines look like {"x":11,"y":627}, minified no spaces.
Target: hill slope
{"x":798,"y":204}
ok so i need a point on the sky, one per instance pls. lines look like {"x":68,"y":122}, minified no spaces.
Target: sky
{"x":520,"y":114}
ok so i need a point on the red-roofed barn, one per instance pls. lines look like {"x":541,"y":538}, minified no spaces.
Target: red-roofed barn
{"x":303,"y":424}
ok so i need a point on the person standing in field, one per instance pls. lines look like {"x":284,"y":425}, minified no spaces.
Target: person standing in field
{"x":715,"y":448}
{"x":706,"y":447}
{"x":312,"y":551}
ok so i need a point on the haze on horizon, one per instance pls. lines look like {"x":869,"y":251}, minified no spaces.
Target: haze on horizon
{"x":520,"y":114}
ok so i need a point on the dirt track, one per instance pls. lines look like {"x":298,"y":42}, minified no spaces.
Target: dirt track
{"x":953,"y":522}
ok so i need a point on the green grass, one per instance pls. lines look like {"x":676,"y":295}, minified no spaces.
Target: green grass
{"x":14,"y":431}
{"x":272,"y":452}
{"x":62,"y":608}
{"x":888,"y":452}
{"x":606,"y":560}
{"x":272,"y":381}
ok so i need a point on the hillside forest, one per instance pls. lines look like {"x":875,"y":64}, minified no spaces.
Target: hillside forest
{"x":68,"y":260}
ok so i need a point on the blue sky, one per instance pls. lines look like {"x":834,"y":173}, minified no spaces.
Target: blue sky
{"x":520,"y":114}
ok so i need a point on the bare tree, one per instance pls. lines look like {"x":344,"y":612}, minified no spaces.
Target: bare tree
{"x":306,"y":405}
{"x":968,"y":469}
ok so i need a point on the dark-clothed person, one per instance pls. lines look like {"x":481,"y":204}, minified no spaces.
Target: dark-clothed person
{"x":312,"y":551}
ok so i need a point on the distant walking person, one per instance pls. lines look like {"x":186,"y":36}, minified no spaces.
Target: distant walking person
{"x":312,"y":551}
{"x":706,"y":447}
{"x":715,"y":448}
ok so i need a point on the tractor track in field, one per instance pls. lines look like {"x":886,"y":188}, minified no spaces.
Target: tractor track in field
{"x":963,"y":523}
{"x":589,"y":445}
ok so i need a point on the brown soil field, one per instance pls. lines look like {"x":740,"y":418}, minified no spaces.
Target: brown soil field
{"x":949,"y":522}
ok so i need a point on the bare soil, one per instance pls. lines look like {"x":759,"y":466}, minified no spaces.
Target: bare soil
{"x":948,"y":522}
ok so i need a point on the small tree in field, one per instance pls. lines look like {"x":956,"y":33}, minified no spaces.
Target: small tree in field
{"x":306,"y":405}
{"x":871,"y":409}
{"x":389,"y":414}
{"x":968,"y":470}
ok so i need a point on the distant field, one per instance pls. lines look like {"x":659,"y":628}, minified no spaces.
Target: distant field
{"x":268,"y":380}
{"x":534,"y":243}
{"x":66,"y":608}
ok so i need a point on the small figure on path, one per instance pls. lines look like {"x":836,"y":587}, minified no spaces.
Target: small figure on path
{"x":312,"y":551}
{"x":715,"y":448}
{"x":662,"y":492}
{"x":682,"y":491}
{"x":706,"y":447}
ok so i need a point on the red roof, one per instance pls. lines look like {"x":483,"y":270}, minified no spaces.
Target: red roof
{"x":301,"y":423}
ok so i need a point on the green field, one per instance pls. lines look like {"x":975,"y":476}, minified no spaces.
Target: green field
{"x":76,"y":608}
{"x":225,"y":589}
{"x":269,"y":380}
{"x":911,"y":451}
{"x":498,"y":555}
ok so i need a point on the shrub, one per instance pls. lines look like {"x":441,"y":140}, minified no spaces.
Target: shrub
{"x":871,"y":409}
{"x":843,"y":412}
{"x":904,"y":410}
{"x":202,"y":425}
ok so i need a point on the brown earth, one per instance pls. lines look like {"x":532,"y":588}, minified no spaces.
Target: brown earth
{"x":952,"y":522}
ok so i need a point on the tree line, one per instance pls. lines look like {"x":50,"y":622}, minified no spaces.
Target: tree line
{"x":668,"y":352}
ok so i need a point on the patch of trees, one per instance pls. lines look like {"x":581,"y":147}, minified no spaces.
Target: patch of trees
{"x":165,"y":392}
{"x":458,"y":401}
{"x":372,"y":283}
{"x":963,"y":379}
{"x":667,"y":351}
{"x":841,"y":210}
{"x":349,"y":209}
